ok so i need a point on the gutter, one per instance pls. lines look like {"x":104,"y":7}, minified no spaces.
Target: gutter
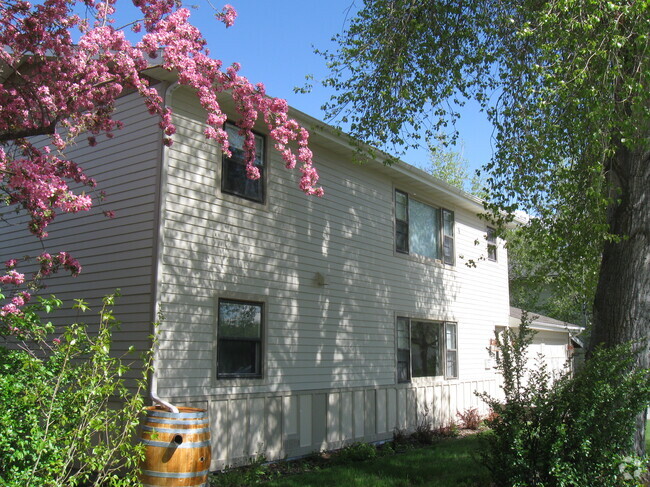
{"x":162,"y":191}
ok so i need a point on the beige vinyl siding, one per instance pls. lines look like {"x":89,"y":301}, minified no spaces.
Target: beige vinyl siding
{"x":114,"y":253}
{"x":328,"y":360}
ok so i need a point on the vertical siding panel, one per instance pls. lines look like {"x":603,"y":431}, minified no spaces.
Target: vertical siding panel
{"x":359,"y":404}
{"x":428,"y":398}
{"x":411,"y":414}
{"x":347,"y":414}
{"x":334,"y":417}
{"x":237,"y":414}
{"x":305,"y":418}
{"x":381,"y":411}
{"x":402,"y":409}
{"x":446,"y":402}
{"x":391,"y":409}
{"x":467,"y":395}
{"x":220,"y":432}
{"x":256,"y":443}
{"x":319,"y":421}
{"x":290,"y":424}
{"x":422,"y":413}
{"x":290,"y":414}
{"x":437,"y":398}
{"x":370,"y":411}
{"x":274,"y":427}
{"x":454,"y":405}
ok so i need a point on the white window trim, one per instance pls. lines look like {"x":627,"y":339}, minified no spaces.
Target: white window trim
{"x":441,"y":235}
{"x":427,"y":379}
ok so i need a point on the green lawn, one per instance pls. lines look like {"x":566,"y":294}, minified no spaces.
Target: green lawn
{"x":450,"y":462}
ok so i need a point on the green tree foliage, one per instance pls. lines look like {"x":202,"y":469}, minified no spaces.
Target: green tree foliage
{"x":453,"y":168}
{"x":573,"y":433}
{"x":67,"y":417}
{"x":566,"y":84}
{"x":537,"y":285}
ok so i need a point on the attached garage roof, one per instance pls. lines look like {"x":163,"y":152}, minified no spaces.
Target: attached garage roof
{"x":541,"y":322}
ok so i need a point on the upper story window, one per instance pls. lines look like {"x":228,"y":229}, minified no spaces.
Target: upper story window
{"x":426,"y":349}
{"x":424,"y":230}
{"x":233,"y":174}
{"x":492,"y":244}
{"x":239,"y":339}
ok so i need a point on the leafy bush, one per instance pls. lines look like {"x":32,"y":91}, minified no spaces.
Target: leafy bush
{"x":59,"y":422}
{"x":469,"y":419}
{"x":425,"y":433}
{"x":575,"y":432}
{"x":401,"y":436}
{"x":355,"y":452}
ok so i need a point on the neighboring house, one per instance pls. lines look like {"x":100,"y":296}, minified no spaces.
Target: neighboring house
{"x":300,"y":323}
{"x":555,"y":343}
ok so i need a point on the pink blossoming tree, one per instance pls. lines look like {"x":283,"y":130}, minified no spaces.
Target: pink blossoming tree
{"x":60,"y":75}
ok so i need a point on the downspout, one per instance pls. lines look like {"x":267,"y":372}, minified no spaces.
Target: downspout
{"x":162,"y":191}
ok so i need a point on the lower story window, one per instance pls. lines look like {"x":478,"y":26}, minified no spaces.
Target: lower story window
{"x":239,"y":339}
{"x":426,"y":349}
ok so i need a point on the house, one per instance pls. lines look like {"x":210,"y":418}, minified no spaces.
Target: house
{"x":299,"y":323}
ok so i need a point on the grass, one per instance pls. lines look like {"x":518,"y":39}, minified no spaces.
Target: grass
{"x":449,"y":462}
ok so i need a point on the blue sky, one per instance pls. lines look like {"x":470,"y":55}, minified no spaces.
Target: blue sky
{"x":274,"y":43}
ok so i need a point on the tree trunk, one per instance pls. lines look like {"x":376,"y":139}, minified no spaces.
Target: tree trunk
{"x":622,"y":301}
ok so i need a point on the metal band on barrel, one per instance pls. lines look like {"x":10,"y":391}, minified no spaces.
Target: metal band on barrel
{"x":171,"y":444}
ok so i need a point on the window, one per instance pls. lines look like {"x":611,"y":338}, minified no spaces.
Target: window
{"x":403,"y":350}
{"x":492,"y":244}
{"x":448,"y":237}
{"x":401,"y":222}
{"x":239,"y":339}
{"x":426,"y":349}
{"x":451,"y":350}
{"x":233,"y":174}
{"x":421,"y":229}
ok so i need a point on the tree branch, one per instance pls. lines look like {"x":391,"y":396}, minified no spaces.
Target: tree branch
{"x":21,"y":134}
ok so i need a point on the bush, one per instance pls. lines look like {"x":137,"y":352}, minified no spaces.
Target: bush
{"x":355,"y":452}
{"x":576,"y":432}
{"x":58,"y":420}
{"x":469,"y":419}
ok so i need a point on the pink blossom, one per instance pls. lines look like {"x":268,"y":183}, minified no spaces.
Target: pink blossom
{"x":12,"y":277}
{"x":227,"y":16}
{"x":10,"y":309}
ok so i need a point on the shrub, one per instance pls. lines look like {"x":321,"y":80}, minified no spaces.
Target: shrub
{"x":401,"y":436}
{"x":425,"y":433}
{"x":355,"y":452}
{"x":449,"y":430}
{"x":58,"y":419}
{"x":574,"y":432}
{"x":470,"y":419}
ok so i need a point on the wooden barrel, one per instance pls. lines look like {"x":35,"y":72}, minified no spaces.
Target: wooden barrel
{"x":177,"y":447}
